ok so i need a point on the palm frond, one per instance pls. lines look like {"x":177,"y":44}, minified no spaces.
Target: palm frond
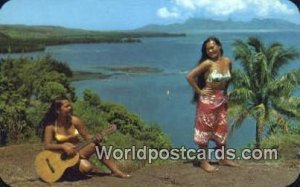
{"x":280,"y":120}
{"x":279,"y":89}
{"x":239,"y":119}
{"x":272,"y":53}
{"x":285,"y":84}
{"x":256,"y":44}
{"x":261,"y":68}
{"x":240,"y":79}
{"x":244,"y":54}
{"x":287,"y":106}
{"x":274,"y":45}
{"x":258,"y":111}
{"x":279,"y":57}
{"x":241,"y":95}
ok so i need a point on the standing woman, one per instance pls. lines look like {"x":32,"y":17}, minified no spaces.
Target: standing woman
{"x":209,"y":79}
{"x":61,"y":132}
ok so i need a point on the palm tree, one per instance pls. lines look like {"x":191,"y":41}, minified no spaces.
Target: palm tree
{"x":260,"y":90}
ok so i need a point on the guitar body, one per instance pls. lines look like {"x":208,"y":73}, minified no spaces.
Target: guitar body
{"x":50,"y":165}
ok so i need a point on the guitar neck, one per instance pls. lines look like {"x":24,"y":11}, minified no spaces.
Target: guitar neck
{"x":83,"y":144}
{"x":103,"y":133}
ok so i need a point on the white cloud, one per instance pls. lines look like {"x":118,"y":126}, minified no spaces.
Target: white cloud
{"x":267,"y":7}
{"x":189,"y":4}
{"x":166,"y":13}
{"x":217,"y":8}
{"x":225,"y":7}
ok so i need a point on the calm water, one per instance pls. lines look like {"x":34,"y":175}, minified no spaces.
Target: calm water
{"x":163,"y":98}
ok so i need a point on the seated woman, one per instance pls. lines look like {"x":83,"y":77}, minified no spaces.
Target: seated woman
{"x":60,"y":125}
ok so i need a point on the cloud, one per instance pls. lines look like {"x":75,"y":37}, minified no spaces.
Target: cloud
{"x":218,"y":8}
{"x":267,"y":7}
{"x":166,"y":13}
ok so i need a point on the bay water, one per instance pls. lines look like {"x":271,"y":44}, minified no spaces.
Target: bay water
{"x":164,"y":97}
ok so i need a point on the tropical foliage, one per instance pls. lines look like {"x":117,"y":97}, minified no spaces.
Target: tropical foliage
{"x":23,"y":82}
{"x":98,"y":115}
{"x":286,"y":144}
{"x":262,"y":90}
{"x":27,"y":86}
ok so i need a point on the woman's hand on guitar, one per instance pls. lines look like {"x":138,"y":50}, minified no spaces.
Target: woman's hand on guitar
{"x":98,"y":138}
{"x":69,"y":149}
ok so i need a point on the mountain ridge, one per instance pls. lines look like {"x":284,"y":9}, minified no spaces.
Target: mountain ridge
{"x":198,"y":25}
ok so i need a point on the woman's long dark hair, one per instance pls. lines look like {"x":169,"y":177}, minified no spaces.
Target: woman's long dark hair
{"x":200,"y":79}
{"x":51,"y":115}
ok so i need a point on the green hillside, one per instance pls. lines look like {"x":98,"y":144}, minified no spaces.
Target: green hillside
{"x":22,"y":38}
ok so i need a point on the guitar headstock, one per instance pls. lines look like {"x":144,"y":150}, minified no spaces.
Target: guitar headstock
{"x":112,"y":128}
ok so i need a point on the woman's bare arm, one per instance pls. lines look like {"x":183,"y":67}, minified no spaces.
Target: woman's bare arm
{"x":200,"y":69}
{"x":81,"y":127}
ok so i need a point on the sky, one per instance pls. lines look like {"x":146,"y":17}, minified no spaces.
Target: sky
{"x":132,"y":14}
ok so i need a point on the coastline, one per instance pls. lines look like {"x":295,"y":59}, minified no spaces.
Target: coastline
{"x":22,"y":38}
{"x":111,"y":71}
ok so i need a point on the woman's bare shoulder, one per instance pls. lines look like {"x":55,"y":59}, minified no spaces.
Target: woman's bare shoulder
{"x":227,"y":60}
{"x":49,"y":127}
{"x":75,"y":118}
{"x":76,"y":121}
{"x":207,"y":62}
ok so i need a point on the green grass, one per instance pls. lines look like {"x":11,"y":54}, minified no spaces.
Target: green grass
{"x":287,"y":145}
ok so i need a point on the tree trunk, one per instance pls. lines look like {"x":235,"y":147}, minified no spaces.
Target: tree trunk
{"x":258,"y":135}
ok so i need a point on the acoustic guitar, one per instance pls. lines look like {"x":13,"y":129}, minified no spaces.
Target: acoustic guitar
{"x":50,"y":165}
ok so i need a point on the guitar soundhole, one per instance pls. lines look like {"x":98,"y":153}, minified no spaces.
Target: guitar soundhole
{"x":50,"y":166}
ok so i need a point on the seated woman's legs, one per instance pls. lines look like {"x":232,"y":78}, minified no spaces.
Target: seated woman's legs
{"x":89,"y":150}
{"x":113,"y":167}
{"x":85,"y":166}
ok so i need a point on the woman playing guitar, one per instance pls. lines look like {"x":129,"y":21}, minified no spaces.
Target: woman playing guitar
{"x":60,"y":125}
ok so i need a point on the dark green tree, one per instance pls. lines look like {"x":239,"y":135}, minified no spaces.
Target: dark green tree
{"x":92,"y":98}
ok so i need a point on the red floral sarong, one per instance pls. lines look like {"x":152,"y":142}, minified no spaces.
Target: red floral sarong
{"x":211,"y":119}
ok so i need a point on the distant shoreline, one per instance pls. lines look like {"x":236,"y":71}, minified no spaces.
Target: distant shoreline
{"x":130,"y":69}
{"x":85,"y":75}
{"x":22,"y":38}
{"x":240,"y":31}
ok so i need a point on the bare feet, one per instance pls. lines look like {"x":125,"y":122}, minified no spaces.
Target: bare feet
{"x":121,"y":175}
{"x":227,"y":162}
{"x":206,"y":166}
{"x":98,"y":172}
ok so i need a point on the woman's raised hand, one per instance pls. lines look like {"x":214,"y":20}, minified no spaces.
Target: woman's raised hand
{"x":98,"y":138}
{"x":69,"y":149}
